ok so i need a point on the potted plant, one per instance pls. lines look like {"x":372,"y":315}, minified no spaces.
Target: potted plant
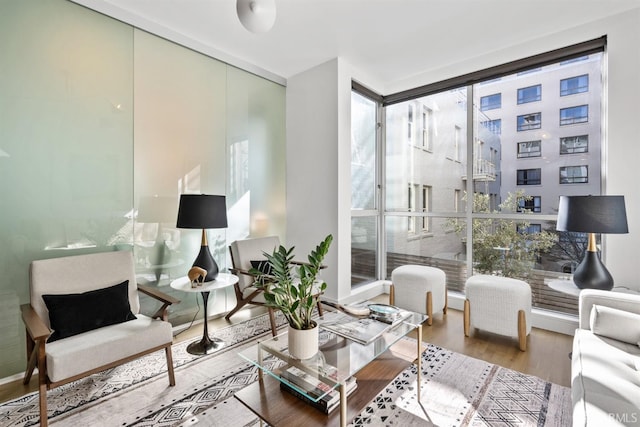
{"x":293,"y":288}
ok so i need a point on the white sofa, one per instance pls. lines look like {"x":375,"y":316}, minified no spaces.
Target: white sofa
{"x":605,"y":365}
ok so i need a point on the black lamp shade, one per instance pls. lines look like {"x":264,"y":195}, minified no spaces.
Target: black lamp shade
{"x":202,"y":211}
{"x":592,"y":214}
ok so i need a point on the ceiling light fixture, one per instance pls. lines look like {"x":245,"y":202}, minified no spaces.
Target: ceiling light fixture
{"x":256,"y":16}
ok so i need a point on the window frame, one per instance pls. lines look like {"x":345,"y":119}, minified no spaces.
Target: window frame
{"x":574,"y":151}
{"x":525,"y":180}
{"x":520,"y":154}
{"x":536,"y":98}
{"x":568,"y":91}
{"x":532,"y":126}
{"x":572,"y":179}
{"x":574,"y":120}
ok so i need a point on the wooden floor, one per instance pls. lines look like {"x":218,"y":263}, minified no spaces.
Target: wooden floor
{"x":546,"y":356}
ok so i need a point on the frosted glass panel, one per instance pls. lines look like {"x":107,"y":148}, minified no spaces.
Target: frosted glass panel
{"x":256,"y":156}
{"x":66,"y":129}
{"x":179,"y":148}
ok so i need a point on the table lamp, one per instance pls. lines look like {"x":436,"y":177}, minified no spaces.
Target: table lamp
{"x":203,"y":211}
{"x":592,"y":214}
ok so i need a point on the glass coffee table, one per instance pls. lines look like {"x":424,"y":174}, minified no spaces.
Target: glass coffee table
{"x":374,"y":365}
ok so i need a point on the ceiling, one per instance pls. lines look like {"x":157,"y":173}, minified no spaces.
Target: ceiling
{"x":391,"y":40}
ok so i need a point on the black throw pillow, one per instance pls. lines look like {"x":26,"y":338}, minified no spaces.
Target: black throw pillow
{"x":73,"y":314}
{"x":262,"y":266}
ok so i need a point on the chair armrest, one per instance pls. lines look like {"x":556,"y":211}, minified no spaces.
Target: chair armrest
{"x":36,"y":328}
{"x":157,"y":294}
{"x":237,"y":271}
{"x":305,"y":263}
{"x":619,"y":300}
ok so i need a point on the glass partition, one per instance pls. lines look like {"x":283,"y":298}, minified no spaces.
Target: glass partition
{"x":66,"y":158}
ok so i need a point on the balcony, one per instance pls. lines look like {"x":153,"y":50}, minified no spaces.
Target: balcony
{"x":483,"y":170}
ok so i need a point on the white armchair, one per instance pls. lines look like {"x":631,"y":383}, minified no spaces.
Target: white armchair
{"x":84,"y":318}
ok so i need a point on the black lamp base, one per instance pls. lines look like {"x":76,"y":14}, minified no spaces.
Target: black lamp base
{"x":205,"y":260}
{"x":592,"y":274}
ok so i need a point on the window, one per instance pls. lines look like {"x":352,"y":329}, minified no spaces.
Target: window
{"x":573,"y":85}
{"x":491,"y":102}
{"x":529,"y":121}
{"x":426,"y":128}
{"x":574,"y":174}
{"x":574,"y":144}
{"x":529,"y":94}
{"x":410,"y":123}
{"x":530,"y":204}
{"x":478,"y":194}
{"x":529,"y":177}
{"x":529,"y":149}
{"x":426,"y":207}
{"x":494,"y":126}
{"x":573,"y":115}
{"x":364,"y":188}
{"x":530,"y":229}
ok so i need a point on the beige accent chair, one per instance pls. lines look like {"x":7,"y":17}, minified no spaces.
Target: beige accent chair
{"x":73,"y":357}
{"x":242,"y":253}
{"x":419,"y":288}
{"x":500,"y":305}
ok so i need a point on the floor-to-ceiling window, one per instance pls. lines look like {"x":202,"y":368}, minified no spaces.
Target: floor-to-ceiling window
{"x":472,"y":174}
{"x":364,"y":189}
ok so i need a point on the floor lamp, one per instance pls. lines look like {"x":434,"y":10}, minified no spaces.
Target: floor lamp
{"x":203,"y":211}
{"x":592,"y":214}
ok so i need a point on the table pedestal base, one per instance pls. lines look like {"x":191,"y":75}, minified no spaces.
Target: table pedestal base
{"x":205,"y":346}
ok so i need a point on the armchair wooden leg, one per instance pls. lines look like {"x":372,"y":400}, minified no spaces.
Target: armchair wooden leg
{"x":172,"y":377}
{"x":430,"y":308}
{"x":467,"y":317}
{"x":272,"y":319}
{"x":446,"y":301}
{"x":42,"y":384}
{"x":32,"y":360}
{"x":42,"y":393}
{"x":522,"y":330}
{"x":238,"y":306}
{"x":320,"y":310}
{"x":392,"y":295}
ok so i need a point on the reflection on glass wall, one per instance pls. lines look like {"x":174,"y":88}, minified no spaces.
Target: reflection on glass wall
{"x":179,"y":149}
{"x":66,"y":120}
{"x":256,"y":155}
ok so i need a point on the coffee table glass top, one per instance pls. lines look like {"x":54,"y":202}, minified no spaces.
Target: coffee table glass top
{"x":338,"y":359}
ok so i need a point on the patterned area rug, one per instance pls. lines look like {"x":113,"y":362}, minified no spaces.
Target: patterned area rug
{"x":456,"y":391}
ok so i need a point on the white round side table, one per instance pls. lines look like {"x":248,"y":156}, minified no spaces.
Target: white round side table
{"x":206,"y":344}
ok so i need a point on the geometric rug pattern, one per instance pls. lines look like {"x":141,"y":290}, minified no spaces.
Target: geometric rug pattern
{"x":456,"y":390}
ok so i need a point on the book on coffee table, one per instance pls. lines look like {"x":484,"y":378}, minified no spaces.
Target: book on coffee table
{"x":316,"y":393}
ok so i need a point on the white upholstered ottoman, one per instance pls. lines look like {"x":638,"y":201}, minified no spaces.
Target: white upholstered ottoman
{"x":500,"y":305}
{"x":419,"y":288}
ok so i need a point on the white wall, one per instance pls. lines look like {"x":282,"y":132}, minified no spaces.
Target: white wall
{"x":312,"y":157}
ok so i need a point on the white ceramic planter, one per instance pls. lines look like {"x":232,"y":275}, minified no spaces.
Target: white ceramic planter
{"x":303,"y":343}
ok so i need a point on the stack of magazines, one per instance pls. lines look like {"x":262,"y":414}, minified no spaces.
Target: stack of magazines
{"x":314,"y":388}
